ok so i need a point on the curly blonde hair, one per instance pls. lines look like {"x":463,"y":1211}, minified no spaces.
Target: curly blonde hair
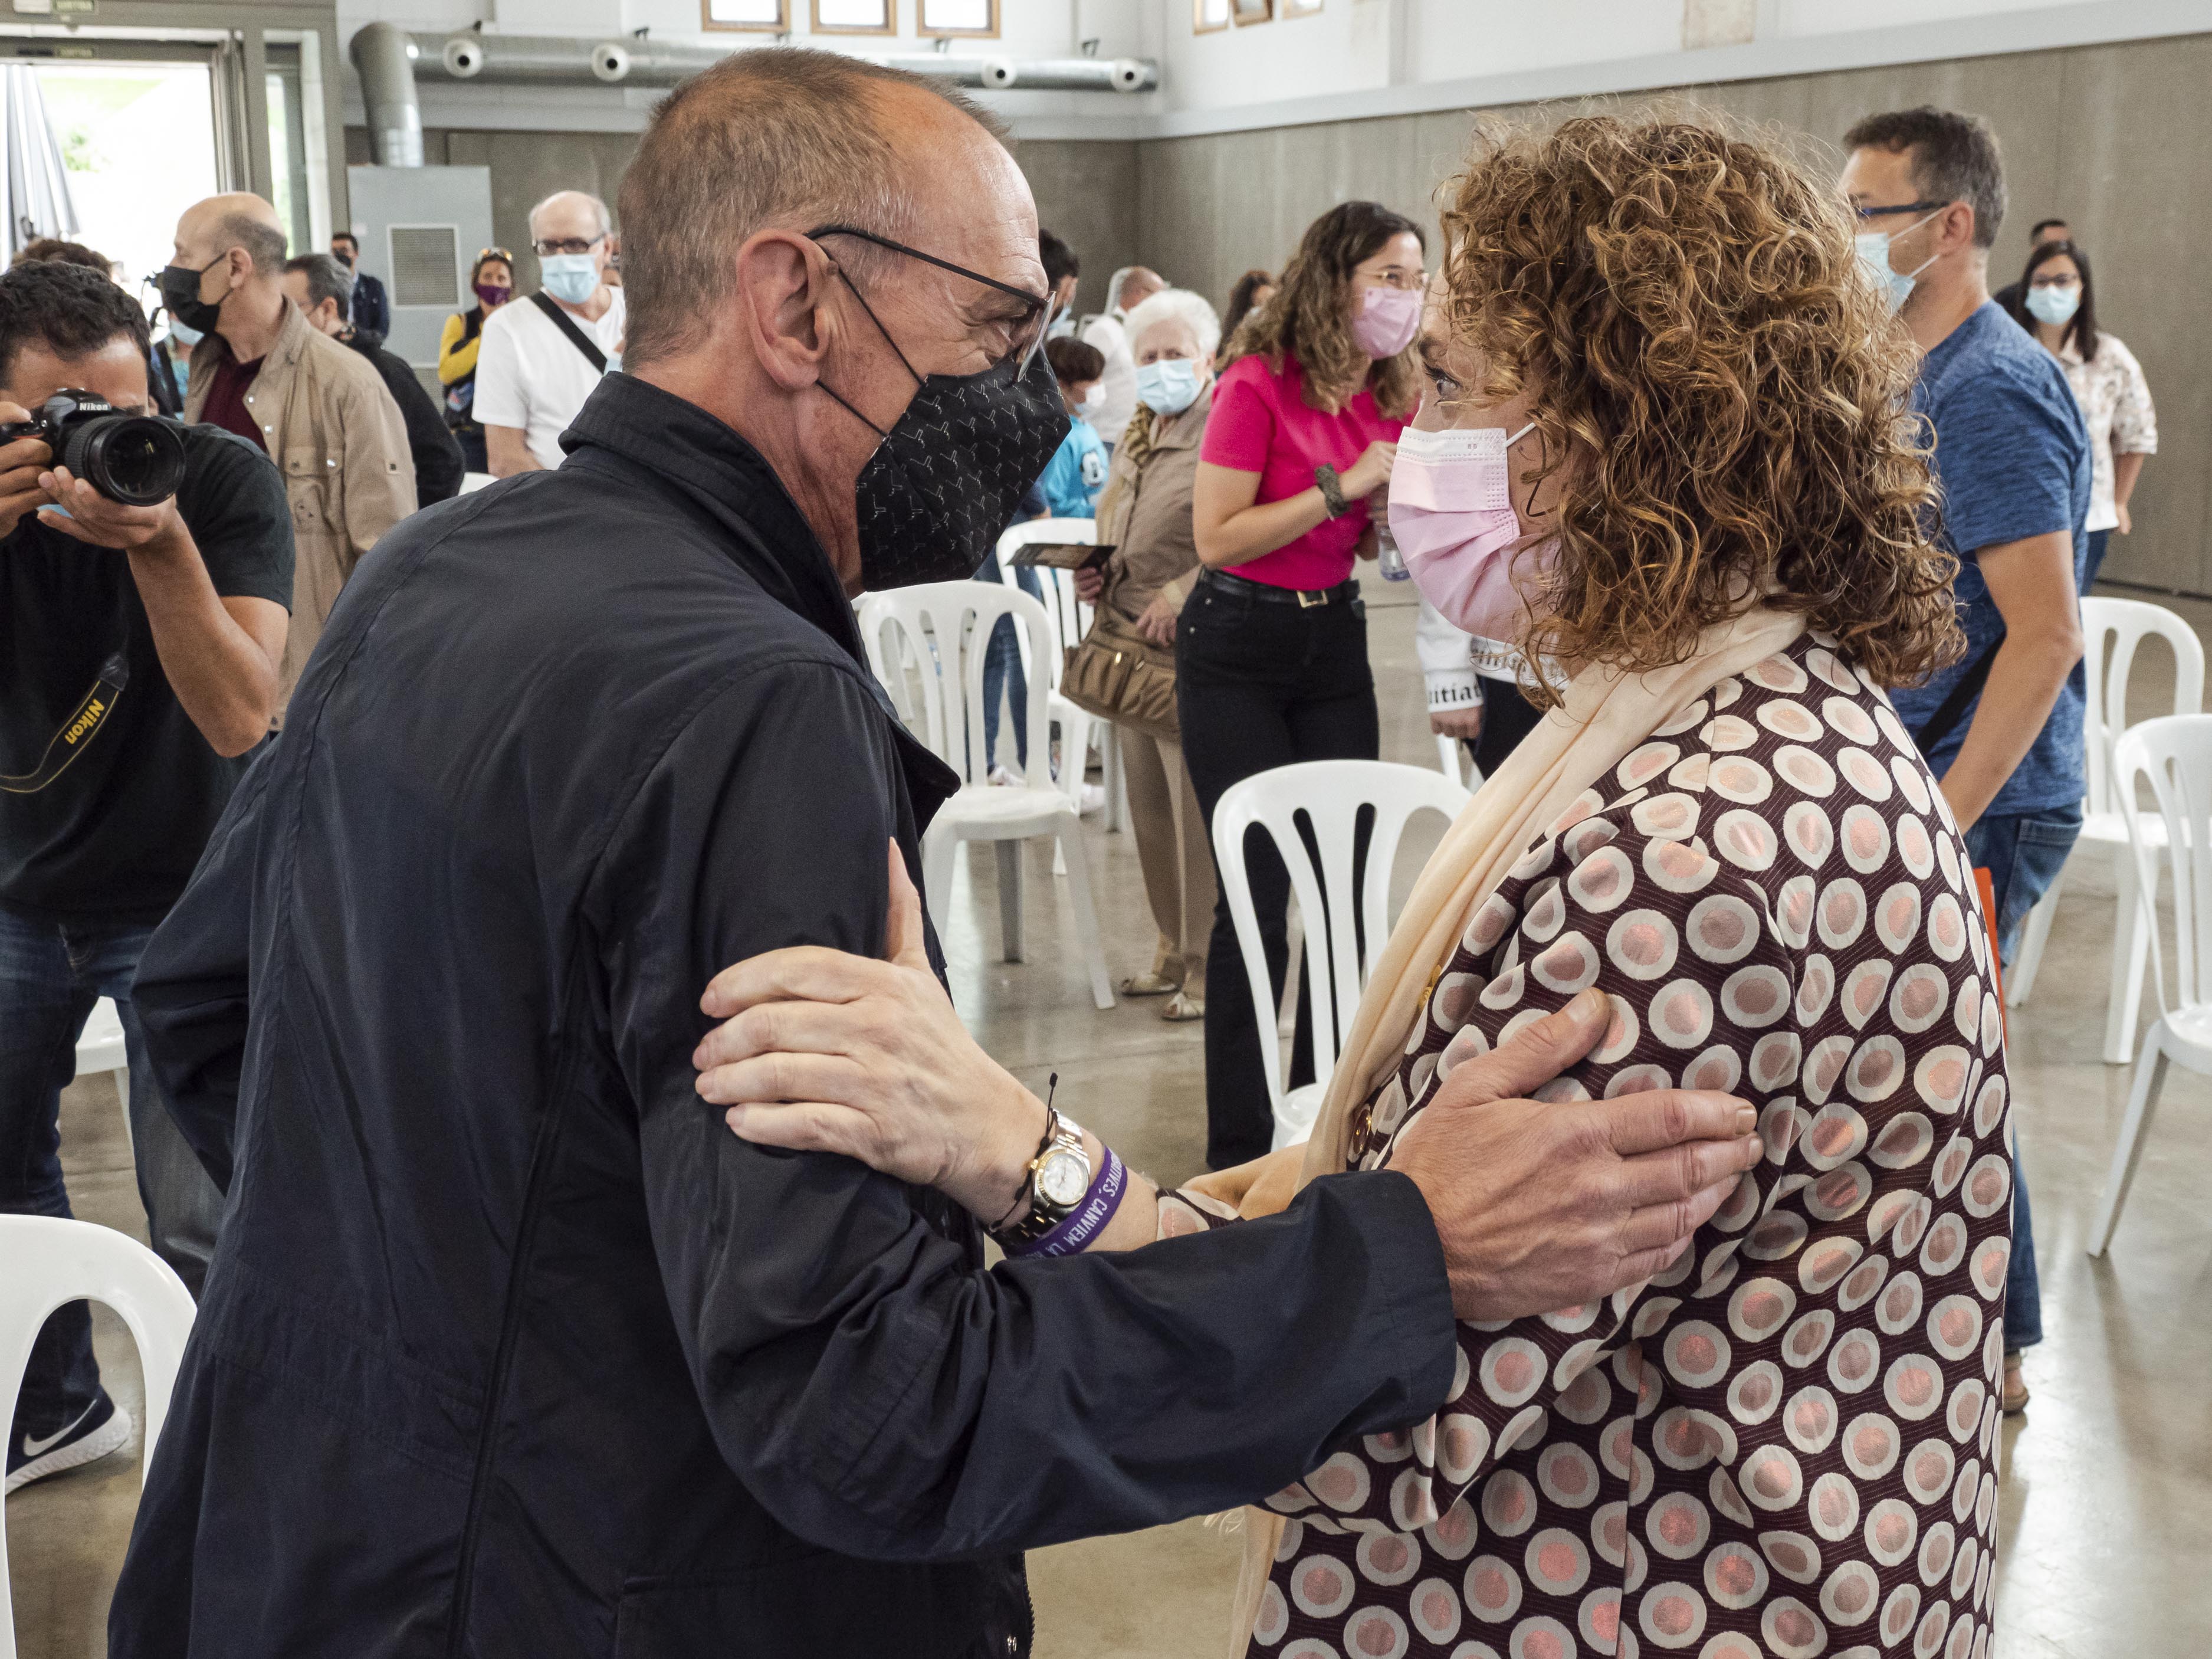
{"x":1306,"y":320}
{"x":1682,"y":306}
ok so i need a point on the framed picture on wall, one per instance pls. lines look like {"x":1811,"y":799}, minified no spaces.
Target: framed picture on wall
{"x":1208,"y":15}
{"x":855,"y":16}
{"x":942,"y":19}
{"x":772,"y":16}
{"x":1300,"y":8}
{"x":1252,"y":11}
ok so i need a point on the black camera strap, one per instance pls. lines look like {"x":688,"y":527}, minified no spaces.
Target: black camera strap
{"x":561,"y":320}
{"x":77,"y":731}
{"x":1952,"y":709}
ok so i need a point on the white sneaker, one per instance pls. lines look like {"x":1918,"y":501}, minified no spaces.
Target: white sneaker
{"x":101,"y":1428}
{"x":1005,"y":777}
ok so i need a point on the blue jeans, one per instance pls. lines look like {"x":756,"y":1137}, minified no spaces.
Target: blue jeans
{"x":2099,"y":540}
{"x":2023,"y":853}
{"x":1002,"y":670}
{"x":51,"y":974}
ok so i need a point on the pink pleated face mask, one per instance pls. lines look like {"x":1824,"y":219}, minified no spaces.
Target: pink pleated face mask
{"x":1451,"y":513}
{"x":1388,"y":319}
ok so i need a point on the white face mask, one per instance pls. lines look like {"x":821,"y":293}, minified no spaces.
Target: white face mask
{"x":1093,"y":400}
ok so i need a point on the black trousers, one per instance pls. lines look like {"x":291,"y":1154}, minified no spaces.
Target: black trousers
{"x":1258,"y":684}
{"x":1507,"y":717}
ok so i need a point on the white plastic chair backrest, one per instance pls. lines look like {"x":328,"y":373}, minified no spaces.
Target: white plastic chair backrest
{"x":49,"y":1261}
{"x":100,"y":1046}
{"x":1069,"y":616}
{"x":2111,"y":630}
{"x":2174,"y":753}
{"x":1328,"y":795}
{"x":927,"y":644}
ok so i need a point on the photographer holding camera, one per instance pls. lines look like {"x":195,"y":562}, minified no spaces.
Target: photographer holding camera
{"x":145,"y":577}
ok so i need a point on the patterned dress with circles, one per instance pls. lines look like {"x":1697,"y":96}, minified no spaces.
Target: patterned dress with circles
{"x":1785,"y":1443}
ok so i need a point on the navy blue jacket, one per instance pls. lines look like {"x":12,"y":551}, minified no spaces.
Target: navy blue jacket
{"x":509,"y":1347}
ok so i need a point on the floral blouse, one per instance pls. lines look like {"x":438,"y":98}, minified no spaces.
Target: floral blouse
{"x":2115,"y":401}
{"x":1785,"y":1443}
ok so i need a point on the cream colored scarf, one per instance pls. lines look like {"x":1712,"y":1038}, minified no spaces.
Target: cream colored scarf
{"x":1603,"y":716}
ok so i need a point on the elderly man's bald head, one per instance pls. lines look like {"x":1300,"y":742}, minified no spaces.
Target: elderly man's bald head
{"x":235,"y":219}
{"x":570,"y":213}
{"x":789,"y":138}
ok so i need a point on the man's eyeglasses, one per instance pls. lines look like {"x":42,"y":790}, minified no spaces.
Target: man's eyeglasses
{"x":544,"y":246}
{"x":1025,"y":334}
{"x":1907,"y":207}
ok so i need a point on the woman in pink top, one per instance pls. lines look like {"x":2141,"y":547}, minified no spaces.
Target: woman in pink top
{"x":1271,"y":651}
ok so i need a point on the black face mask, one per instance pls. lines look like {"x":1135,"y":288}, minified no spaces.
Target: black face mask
{"x":181,"y":292}
{"x":951,"y":471}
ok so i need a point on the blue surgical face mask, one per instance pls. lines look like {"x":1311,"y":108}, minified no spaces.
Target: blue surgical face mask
{"x":2054,"y":305}
{"x":184,"y":333}
{"x":572,"y":278}
{"x":1873,"y":254}
{"x":1168,"y":386}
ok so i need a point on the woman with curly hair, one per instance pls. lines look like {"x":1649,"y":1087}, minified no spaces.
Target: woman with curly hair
{"x":1666,"y":446}
{"x":1271,"y":651}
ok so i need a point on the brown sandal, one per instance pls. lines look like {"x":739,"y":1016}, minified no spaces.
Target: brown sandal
{"x":2014,"y":1399}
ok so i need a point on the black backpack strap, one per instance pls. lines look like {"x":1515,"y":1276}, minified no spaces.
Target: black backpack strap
{"x":1952,"y":709}
{"x":567,"y":324}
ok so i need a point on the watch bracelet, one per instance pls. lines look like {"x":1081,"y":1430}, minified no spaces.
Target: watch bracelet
{"x":1025,"y":1196}
{"x":1028,"y":1226}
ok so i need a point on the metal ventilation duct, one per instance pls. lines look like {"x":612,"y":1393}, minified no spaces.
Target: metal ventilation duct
{"x":388,"y":58}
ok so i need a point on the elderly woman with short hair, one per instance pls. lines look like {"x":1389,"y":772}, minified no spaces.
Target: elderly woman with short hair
{"x":1665,"y":444}
{"x":1146,"y":516}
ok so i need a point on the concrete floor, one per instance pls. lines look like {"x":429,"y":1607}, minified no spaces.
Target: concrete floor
{"x":2107,"y":1506}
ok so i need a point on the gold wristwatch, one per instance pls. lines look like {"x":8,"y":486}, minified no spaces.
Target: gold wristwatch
{"x":1059,"y":1176}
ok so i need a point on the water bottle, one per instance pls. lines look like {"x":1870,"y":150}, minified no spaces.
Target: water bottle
{"x":1387,"y":558}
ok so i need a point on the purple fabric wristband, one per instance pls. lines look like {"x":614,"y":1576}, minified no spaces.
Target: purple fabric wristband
{"x":1089,"y":1217}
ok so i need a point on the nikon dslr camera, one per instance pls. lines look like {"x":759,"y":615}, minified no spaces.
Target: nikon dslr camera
{"x":135,"y":459}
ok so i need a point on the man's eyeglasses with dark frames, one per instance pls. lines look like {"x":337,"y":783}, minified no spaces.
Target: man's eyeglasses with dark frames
{"x":1907,"y":207}
{"x":546,"y":246}
{"x":1027,"y":332}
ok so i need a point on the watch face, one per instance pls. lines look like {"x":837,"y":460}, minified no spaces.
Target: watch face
{"x":1063,"y":1179}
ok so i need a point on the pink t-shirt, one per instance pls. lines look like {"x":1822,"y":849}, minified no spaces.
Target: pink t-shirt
{"x":1262,"y":424}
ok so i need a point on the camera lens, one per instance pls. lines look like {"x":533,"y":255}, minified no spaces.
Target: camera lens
{"x":131,"y":459}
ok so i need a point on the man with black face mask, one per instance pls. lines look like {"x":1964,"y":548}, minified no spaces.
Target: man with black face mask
{"x":510,"y":1348}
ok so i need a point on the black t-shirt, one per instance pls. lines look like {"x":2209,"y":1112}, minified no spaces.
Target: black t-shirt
{"x":115,"y":832}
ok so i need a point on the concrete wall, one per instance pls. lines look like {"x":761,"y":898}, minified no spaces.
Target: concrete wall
{"x":2109,"y":135}
{"x":1086,"y":192}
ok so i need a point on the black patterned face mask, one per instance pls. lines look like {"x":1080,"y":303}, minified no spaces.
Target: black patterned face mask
{"x":951,"y":471}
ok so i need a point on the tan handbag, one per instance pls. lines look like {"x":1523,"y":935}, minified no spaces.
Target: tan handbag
{"x":1121,"y":678}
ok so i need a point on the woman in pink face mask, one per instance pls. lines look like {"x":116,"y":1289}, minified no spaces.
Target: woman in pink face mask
{"x":1271,"y":650}
{"x":1468,"y":507}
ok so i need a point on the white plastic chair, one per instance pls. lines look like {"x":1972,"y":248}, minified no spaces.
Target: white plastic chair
{"x":100,"y":1047}
{"x":2174,"y":752}
{"x":50,"y":1261}
{"x":927,"y":644}
{"x":2113,"y":629}
{"x":1328,"y":795}
{"x":1453,"y":762}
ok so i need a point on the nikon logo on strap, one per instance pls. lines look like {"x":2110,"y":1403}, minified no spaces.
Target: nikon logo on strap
{"x":76,"y":732}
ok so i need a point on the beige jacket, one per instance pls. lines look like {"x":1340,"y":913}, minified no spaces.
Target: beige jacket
{"x":1146,"y":513}
{"x":331,"y":426}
